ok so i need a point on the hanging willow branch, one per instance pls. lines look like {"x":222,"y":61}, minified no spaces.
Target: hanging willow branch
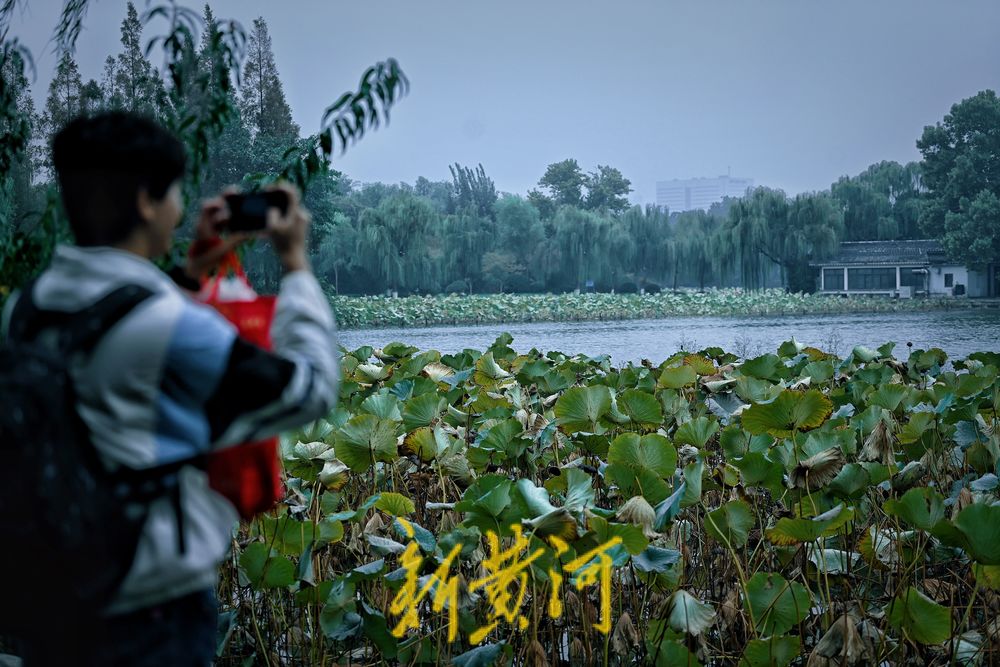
{"x":346,"y":120}
{"x":201,"y":104}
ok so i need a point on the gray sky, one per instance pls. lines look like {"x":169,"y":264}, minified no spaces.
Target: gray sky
{"x":791,"y":93}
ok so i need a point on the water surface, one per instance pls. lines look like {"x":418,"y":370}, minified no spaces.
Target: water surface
{"x":957,"y":332}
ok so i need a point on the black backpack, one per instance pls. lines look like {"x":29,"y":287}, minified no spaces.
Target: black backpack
{"x":69,"y":526}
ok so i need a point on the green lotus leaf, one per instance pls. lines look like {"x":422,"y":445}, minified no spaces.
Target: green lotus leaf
{"x":832,"y":561}
{"x":636,"y":480}
{"x":264,"y":568}
{"x":776,"y":605}
{"x":771,"y":652}
{"x":656,"y":559}
{"x":422,"y":410}
{"x":731,"y":523}
{"x":920,"y":618}
{"x":576,"y":486}
{"x":788,"y":531}
{"x":888,"y":396}
{"x":685,"y":613}
{"x":640,"y":407}
{"x":383,"y":405}
{"x":535,"y":499}
{"x":672,"y":653}
{"x":790,"y":348}
{"x":765,"y":367}
{"x":633,"y":539}
{"x":652,"y":451}
{"x":384,"y":546}
{"x":677,"y":377}
{"x":313,"y":451}
{"x":490,"y":493}
{"x":395,"y":504}
{"x":920,"y":507}
{"x":758,"y":470}
{"x":852,"y":479}
{"x":488,"y":371}
{"x":418,"y":362}
{"x":423,"y":537}
{"x":692,"y":483}
{"x":365,"y":439}
{"x":980,"y":524}
{"x":864,"y":354}
{"x":580,"y":409}
{"x":696,"y":432}
{"x":818,"y":371}
{"x":481,"y":656}
{"x":986,"y":575}
{"x":291,"y":536}
{"x":913,"y":430}
{"x":421,"y":443}
{"x":506,"y":437}
{"x":557,"y":523}
{"x":790,"y":412}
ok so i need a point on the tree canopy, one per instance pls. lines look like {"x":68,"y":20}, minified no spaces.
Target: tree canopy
{"x":961,"y":171}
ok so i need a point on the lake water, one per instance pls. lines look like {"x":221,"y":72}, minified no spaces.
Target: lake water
{"x":957,"y":332}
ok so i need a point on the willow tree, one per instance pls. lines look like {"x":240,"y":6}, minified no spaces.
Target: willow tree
{"x":696,"y":248}
{"x":650,"y":231}
{"x":748,"y":230}
{"x":519,"y":232}
{"x":882,"y":202}
{"x":813,"y":230}
{"x":582,"y":237}
{"x":393,"y":243}
{"x":467,"y":238}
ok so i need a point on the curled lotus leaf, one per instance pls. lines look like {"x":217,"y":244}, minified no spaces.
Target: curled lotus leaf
{"x":372,"y":372}
{"x":313,"y":451}
{"x":686,"y":613}
{"x":334,"y":475}
{"x":818,"y":470}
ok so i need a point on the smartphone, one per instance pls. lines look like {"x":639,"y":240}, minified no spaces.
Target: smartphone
{"x":248,"y":211}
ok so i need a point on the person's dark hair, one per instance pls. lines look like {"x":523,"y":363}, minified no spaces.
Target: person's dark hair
{"x":102,"y":162}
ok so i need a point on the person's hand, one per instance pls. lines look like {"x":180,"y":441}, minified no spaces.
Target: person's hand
{"x":289,"y":232}
{"x":210,"y":246}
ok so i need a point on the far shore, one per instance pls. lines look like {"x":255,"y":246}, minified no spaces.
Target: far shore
{"x":375,"y":312}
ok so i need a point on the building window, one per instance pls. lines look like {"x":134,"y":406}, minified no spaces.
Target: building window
{"x":908,"y":277}
{"x":833,"y":280}
{"x":949,"y":279}
{"x":872,"y":278}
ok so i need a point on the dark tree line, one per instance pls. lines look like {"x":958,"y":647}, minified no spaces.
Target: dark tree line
{"x":575,"y":231}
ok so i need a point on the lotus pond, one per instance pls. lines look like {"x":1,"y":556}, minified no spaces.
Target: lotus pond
{"x":431,"y":310}
{"x":790,"y":508}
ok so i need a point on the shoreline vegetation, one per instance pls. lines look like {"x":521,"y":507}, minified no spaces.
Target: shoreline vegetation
{"x":362,"y":312}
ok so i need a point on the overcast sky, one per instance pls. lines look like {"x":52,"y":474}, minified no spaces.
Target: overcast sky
{"x":791,"y":93}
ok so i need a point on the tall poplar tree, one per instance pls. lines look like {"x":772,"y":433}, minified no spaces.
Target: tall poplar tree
{"x":67,"y":98}
{"x":16,"y":177}
{"x":262,"y":101}
{"x":130,"y":80}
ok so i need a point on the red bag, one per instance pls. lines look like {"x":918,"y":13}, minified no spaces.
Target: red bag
{"x":248,"y":474}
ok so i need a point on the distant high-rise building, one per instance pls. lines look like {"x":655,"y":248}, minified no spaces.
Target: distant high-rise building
{"x":691,"y":193}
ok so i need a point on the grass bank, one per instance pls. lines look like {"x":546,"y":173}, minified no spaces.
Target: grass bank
{"x":413,"y":311}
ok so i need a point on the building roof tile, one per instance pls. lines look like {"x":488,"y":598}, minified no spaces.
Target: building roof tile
{"x":885,"y":253}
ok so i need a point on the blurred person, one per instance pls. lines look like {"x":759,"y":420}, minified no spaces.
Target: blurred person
{"x":171,"y":380}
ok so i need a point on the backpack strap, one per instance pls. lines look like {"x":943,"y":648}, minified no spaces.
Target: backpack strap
{"x":79,"y":331}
